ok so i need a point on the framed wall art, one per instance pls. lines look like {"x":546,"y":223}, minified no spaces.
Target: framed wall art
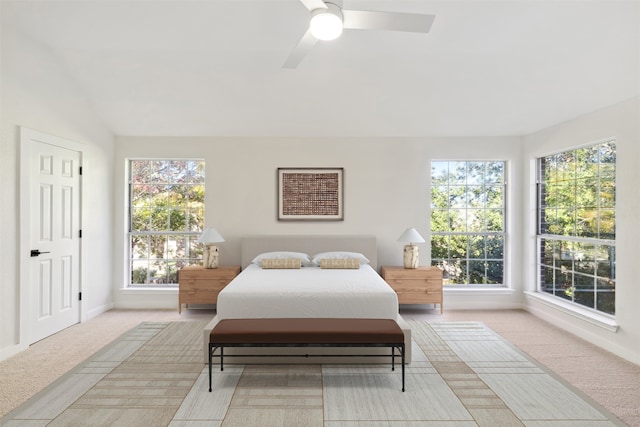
{"x":311,"y":194}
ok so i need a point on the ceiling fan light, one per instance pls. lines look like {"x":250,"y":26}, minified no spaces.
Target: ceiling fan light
{"x":326,"y":24}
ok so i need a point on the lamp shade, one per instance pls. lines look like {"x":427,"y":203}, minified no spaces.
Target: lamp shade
{"x":411,"y":236}
{"x":326,"y":24}
{"x":210,"y":235}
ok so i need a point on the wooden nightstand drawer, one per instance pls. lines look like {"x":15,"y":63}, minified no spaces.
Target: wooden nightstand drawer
{"x":415,"y":291}
{"x":196,"y":272}
{"x":199,"y":296}
{"x":433,"y":274}
{"x":203,"y":284}
{"x":424,"y":284}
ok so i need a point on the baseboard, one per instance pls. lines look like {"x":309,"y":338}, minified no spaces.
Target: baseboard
{"x":150,"y":305}
{"x":138,"y":299}
{"x":481,"y":299}
{"x":8,"y":352}
{"x":98,"y":311}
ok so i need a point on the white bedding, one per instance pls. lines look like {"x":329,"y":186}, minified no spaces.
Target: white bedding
{"x":307,"y":292}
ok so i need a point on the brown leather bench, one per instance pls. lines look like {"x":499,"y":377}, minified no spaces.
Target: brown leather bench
{"x":306,"y":332}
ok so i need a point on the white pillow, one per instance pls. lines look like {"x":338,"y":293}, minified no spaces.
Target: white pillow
{"x":340,"y":255}
{"x":305,"y":259}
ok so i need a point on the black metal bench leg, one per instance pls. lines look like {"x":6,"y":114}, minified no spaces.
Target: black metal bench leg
{"x":402,"y":351}
{"x":393,"y":357}
{"x":210,"y":357}
{"x":221,"y":357}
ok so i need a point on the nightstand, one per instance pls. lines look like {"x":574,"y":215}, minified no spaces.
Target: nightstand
{"x":199,"y":285}
{"x":422,"y":285}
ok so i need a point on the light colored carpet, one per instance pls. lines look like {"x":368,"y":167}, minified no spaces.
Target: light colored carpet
{"x":30,"y":371}
{"x":463,"y":374}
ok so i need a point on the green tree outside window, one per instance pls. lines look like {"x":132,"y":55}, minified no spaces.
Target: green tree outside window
{"x":576,"y":226}
{"x":467,"y":221}
{"x":166,"y":201}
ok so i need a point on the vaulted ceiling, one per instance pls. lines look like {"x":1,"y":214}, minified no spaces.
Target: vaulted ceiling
{"x":214,"y":67}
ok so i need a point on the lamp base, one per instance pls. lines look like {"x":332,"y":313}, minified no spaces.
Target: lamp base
{"x":210,"y":256}
{"x":411,"y":256}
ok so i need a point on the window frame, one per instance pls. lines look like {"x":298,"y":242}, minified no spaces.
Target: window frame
{"x":573,"y":243}
{"x":193,"y":251}
{"x":502,"y":233}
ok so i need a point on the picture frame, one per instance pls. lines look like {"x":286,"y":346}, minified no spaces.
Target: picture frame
{"x":310,"y":194}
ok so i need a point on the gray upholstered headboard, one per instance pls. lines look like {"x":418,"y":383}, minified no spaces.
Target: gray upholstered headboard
{"x":310,"y":244}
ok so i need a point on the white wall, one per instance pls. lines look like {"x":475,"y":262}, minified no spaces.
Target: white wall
{"x":621,"y":121}
{"x":37,"y":93}
{"x":386,"y":190}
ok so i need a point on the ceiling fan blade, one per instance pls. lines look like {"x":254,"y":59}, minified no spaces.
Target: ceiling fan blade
{"x":390,"y":21}
{"x":314,"y":4}
{"x":306,"y":43}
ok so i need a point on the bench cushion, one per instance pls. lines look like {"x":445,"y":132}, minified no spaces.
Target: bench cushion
{"x":306,"y":331}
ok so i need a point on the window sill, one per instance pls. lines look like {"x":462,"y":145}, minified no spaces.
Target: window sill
{"x":606,"y":322}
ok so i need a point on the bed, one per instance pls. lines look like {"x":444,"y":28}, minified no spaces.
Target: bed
{"x":309,"y":292}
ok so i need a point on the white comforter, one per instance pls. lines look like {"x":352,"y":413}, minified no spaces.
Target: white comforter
{"x":307,"y":292}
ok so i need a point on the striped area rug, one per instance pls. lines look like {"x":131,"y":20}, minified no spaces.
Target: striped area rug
{"x":462,"y":375}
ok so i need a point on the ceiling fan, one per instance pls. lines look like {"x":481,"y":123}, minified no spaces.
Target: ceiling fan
{"x":328,"y":18}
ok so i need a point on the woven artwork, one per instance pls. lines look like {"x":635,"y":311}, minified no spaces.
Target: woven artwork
{"x":310,"y":194}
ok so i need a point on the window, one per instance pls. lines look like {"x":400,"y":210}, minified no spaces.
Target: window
{"x":166,"y":207}
{"x":576,"y":226}
{"x":468,"y":221}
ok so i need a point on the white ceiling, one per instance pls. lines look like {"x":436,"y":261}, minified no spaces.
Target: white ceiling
{"x":213,"y":67}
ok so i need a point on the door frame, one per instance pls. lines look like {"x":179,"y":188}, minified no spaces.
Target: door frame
{"x":26,"y":136}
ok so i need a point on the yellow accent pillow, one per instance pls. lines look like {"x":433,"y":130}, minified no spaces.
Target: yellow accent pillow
{"x":282,"y":263}
{"x":342,"y":263}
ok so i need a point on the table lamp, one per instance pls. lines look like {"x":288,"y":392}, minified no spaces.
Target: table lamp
{"x":211,"y":252}
{"x":411,"y":236}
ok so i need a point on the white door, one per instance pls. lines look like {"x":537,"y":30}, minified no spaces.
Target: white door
{"x":54,"y":228}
